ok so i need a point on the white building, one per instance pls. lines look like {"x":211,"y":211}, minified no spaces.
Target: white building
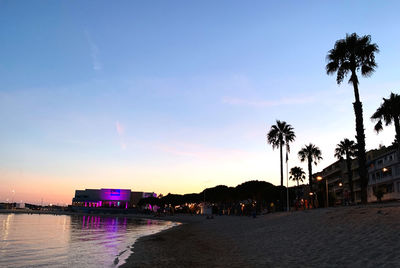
{"x":384,"y":174}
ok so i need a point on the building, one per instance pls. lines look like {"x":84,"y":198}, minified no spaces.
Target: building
{"x":383,"y":161}
{"x":338,"y":185}
{"x":384,"y":175}
{"x":108,"y":198}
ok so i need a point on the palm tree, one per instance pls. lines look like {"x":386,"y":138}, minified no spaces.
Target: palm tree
{"x":312,"y":154}
{"x":279,"y":135}
{"x":297,"y":174}
{"x":347,"y":148}
{"x":351,"y":55}
{"x":389,"y":112}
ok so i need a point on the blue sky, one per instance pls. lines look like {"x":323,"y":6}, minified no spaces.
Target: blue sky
{"x":174,"y":96}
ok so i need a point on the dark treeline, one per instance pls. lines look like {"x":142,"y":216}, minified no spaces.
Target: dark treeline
{"x":262,"y":192}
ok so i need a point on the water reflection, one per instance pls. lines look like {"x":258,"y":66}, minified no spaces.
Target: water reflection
{"x":4,"y":233}
{"x":70,"y":241}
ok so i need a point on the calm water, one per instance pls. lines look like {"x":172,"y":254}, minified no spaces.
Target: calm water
{"x":70,"y":241}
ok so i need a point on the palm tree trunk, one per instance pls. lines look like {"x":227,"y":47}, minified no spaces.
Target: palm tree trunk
{"x":354,"y":81}
{"x":281,"y":193}
{"x":311,"y":198}
{"x":397,"y":128}
{"x":350,"y":177}
{"x":362,"y":170}
{"x":281,"y":164}
{"x":310,"y":172}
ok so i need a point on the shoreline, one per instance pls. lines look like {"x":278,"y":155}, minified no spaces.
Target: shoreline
{"x":355,"y":236}
{"x":180,"y":218}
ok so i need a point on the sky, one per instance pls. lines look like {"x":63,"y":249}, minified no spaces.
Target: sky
{"x":176,"y":96}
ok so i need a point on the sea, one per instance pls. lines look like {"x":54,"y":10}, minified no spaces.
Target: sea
{"x":39,"y":240}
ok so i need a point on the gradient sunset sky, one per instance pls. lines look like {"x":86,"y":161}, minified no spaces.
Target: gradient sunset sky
{"x":176,"y":96}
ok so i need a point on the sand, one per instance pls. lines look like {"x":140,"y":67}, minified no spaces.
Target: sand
{"x":364,"y":236}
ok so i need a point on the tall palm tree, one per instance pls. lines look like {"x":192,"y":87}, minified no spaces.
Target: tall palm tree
{"x":311,"y":154}
{"x":297,"y":174}
{"x":349,"y":56}
{"x":347,"y":148}
{"x":281,"y":135}
{"x":389,"y":112}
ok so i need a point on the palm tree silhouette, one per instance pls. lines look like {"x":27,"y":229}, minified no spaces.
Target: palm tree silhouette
{"x":389,"y":112}
{"x":350,"y":55}
{"x":297,"y":174}
{"x":347,"y":148}
{"x":312,"y":154}
{"x":279,"y":135}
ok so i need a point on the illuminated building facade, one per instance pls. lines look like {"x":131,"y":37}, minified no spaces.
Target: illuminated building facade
{"x":384,"y":175}
{"x":108,"y":198}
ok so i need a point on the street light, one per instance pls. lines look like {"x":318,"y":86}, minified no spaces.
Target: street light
{"x":13,"y":194}
{"x":319,"y":178}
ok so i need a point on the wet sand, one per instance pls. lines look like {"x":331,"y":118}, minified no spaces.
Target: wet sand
{"x":365,"y":236}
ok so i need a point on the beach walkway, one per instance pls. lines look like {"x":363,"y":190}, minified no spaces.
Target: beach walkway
{"x":363,"y":236}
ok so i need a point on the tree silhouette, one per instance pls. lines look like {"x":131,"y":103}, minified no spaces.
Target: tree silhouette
{"x":351,"y":55}
{"x":311,"y":154}
{"x":388,"y":112}
{"x":347,"y":148}
{"x":297,"y":174}
{"x":280,"y":135}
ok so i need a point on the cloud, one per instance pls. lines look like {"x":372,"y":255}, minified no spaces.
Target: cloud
{"x":94,"y":53}
{"x":120,"y":128}
{"x":201,"y":152}
{"x":121,"y":133}
{"x":267,"y":103}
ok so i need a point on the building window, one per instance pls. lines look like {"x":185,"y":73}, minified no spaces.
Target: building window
{"x":389,"y":188}
{"x":387,"y":171}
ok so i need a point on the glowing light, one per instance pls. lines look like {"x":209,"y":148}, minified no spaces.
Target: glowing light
{"x":115,"y":194}
{"x":340,"y":184}
{"x":384,"y":169}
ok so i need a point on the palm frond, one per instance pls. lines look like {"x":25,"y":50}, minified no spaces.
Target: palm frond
{"x":281,"y":134}
{"x":352,"y":54}
{"x":378,"y":126}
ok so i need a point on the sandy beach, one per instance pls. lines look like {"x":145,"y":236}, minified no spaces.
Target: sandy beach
{"x":363,"y":236}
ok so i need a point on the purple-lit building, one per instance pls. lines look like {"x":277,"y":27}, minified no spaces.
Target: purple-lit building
{"x":108,"y":198}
